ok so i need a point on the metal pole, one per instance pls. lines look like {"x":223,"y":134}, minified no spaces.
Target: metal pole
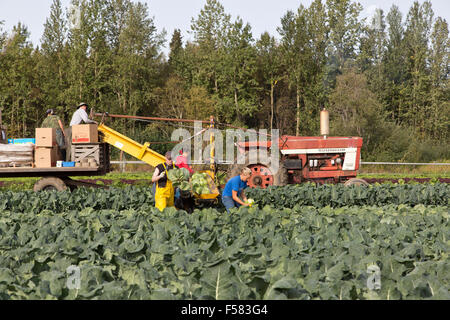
{"x":148,"y":118}
{"x":212,"y":153}
{"x":122,"y":164}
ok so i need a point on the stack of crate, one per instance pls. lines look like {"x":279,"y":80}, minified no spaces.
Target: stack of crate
{"x":46,"y":152}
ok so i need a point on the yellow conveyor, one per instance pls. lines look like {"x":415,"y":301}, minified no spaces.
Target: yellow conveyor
{"x":144,"y":153}
{"x":137,"y":150}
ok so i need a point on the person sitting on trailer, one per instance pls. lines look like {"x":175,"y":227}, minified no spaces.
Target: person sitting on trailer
{"x":235,"y":189}
{"x":164,"y":194}
{"x":53,"y":121}
{"x":78,"y":117}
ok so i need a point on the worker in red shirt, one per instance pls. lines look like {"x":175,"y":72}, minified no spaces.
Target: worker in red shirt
{"x":182,"y":160}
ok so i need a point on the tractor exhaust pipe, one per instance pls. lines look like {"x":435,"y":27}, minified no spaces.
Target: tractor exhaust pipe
{"x":324,"y":123}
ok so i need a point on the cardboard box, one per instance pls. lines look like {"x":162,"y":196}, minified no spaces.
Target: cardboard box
{"x":45,"y":157}
{"x":85,"y":133}
{"x":45,"y":137}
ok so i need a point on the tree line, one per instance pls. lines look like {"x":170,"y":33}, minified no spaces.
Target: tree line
{"x":384,"y":78}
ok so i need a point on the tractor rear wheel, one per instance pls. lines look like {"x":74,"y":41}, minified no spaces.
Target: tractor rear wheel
{"x":356,"y":181}
{"x":262,"y":175}
{"x":50,"y":183}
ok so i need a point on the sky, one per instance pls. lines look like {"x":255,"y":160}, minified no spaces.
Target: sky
{"x":262,"y":15}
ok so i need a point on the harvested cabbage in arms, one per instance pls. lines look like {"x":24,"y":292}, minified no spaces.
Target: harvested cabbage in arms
{"x":179,"y":178}
{"x":199,"y":182}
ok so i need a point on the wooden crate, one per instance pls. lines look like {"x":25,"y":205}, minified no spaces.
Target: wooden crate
{"x":97,"y":151}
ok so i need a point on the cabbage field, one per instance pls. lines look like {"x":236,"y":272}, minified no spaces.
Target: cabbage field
{"x":297,"y":242}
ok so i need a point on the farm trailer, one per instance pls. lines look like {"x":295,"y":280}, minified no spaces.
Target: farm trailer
{"x":58,"y":178}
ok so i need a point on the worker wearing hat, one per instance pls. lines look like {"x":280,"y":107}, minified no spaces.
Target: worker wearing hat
{"x":78,"y":117}
{"x":164,"y":195}
{"x":81,"y":115}
{"x":53,"y":121}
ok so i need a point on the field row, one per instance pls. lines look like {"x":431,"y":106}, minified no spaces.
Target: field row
{"x":339,"y":195}
{"x":390,"y":252}
{"x":141,"y":198}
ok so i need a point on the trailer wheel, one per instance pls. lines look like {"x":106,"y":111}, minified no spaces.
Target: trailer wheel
{"x":49,"y":183}
{"x":356,"y":182}
{"x":262,"y":176}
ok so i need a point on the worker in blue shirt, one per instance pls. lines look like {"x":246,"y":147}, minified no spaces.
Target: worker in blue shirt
{"x":235,"y":189}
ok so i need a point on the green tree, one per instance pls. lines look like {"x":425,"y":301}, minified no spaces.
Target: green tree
{"x":77,"y":62}
{"x":170,"y":98}
{"x":115,"y":14}
{"x":136,"y":63}
{"x":304,"y":41}
{"x":269,"y":66}
{"x":438,"y":124}
{"x":198,"y":104}
{"x":316,"y":97}
{"x":209,"y":30}
{"x":296,"y":52}
{"x":372,"y":54}
{"x":237,"y":74}
{"x":373,"y":46}
{"x":53,"y":60}
{"x":16,"y":81}
{"x":416,"y":90}
{"x":99,"y":53}
{"x":394,"y":71}
{"x":345,"y":31}
{"x":180,"y":62}
{"x":176,"y":47}
{"x":2,"y":35}
{"x":356,"y":111}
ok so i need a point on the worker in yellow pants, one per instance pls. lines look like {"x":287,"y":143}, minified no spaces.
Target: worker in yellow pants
{"x":164,"y":195}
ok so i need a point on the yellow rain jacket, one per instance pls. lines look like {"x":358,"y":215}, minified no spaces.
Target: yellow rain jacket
{"x":165,"y":193}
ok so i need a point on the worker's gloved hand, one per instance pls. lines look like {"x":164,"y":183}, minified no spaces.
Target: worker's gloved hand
{"x":161,"y":175}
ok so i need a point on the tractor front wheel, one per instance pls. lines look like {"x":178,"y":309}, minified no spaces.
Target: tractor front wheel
{"x":262,"y":175}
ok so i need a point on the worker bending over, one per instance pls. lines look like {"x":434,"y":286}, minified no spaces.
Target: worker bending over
{"x":164,"y":195}
{"x":235,"y":189}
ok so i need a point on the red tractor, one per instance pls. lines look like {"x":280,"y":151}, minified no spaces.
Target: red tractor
{"x":320,"y":159}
